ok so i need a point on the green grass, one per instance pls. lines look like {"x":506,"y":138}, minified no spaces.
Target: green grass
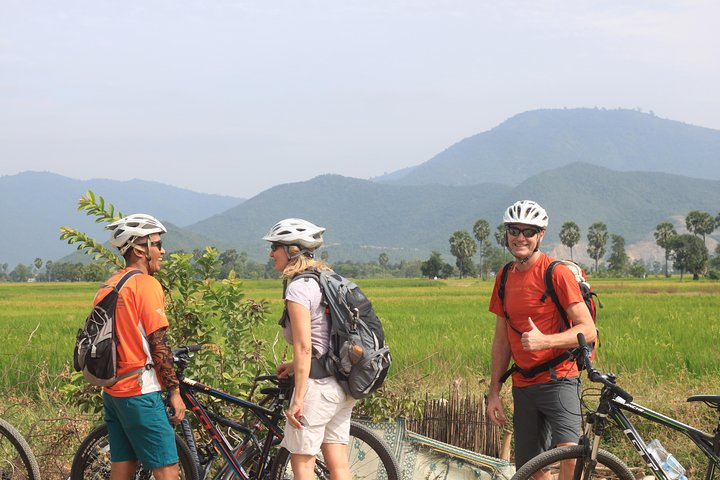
{"x":659,"y":336}
{"x":438,"y":330}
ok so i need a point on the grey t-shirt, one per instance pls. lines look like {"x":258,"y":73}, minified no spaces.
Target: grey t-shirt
{"x":306,"y":292}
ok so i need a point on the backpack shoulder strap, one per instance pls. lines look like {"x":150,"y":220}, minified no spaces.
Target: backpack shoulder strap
{"x":501,"y":287}
{"x":550,"y":291}
{"x":125,"y":278}
{"x":501,"y":294}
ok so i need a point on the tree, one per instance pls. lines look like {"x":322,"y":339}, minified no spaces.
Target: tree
{"x":597,"y":240}
{"x":664,"y":234}
{"x":570,"y":235}
{"x":637,"y":269}
{"x":433,"y":267}
{"x":494,"y":258}
{"x":715,"y":260}
{"x":481,"y":231}
{"x":21,"y":273}
{"x":462,"y":247}
{"x":38,"y":263}
{"x":48,"y":267}
{"x":700,"y":223}
{"x":500,"y":235}
{"x":383,"y":260}
{"x":618,"y":260}
{"x":689,"y":255}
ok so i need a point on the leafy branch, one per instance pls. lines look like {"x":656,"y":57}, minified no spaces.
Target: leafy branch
{"x":94,"y":205}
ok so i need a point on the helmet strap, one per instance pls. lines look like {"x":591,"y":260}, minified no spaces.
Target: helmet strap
{"x":302,"y":251}
{"x":147,"y":251}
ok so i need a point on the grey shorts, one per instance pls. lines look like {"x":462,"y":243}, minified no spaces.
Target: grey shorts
{"x":545,"y":415}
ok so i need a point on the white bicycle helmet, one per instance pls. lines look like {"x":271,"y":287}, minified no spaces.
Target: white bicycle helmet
{"x":124,"y":231}
{"x":526,"y":212}
{"x":296,"y":231}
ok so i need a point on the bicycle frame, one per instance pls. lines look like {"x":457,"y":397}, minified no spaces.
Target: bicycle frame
{"x":709,"y":444}
{"x":269,"y":418}
{"x":704,"y":441}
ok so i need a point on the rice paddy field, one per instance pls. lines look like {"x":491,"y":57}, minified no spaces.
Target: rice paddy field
{"x":659,"y":335}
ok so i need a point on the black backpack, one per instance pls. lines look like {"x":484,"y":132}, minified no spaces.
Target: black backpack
{"x":95,"y":352}
{"x":587,"y":294}
{"x":358,"y":357}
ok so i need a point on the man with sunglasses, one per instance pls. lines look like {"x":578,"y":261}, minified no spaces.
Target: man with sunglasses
{"x":528,"y":330}
{"x":138,"y":425}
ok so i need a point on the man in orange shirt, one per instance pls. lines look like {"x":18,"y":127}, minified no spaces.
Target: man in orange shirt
{"x":528,"y":330}
{"x":135,"y":414}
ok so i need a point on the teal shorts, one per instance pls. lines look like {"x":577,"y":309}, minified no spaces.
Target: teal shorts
{"x":139,"y":429}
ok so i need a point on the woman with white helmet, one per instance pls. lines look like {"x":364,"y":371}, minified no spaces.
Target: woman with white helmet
{"x":318,"y":418}
{"x":530,"y":331}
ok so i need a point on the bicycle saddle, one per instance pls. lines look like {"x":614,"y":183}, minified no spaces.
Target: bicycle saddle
{"x":712,"y":400}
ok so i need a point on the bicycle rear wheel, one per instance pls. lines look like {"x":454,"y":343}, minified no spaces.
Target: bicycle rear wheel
{"x":369,"y":458}
{"x":92,"y":460}
{"x":608,"y":465}
{"x":17,"y":461}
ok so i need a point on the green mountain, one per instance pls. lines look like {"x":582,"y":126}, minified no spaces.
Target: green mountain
{"x":533,"y":142}
{"x":364,"y":218}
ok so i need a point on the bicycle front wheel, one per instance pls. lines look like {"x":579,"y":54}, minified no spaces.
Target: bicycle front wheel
{"x":92,"y":460}
{"x":369,"y":458}
{"x":17,"y":461}
{"x":608,"y":466}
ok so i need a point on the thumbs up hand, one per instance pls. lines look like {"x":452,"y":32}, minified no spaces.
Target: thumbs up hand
{"x":533,"y":339}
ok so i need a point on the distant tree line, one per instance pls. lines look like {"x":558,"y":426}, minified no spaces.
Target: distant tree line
{"x":687,"y":252}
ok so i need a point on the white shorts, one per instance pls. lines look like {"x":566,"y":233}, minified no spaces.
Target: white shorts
{"x":326,"y":418}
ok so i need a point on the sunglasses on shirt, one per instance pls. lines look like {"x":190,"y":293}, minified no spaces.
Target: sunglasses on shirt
{"x":527,"y":232}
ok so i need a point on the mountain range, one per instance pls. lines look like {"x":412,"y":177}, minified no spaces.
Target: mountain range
{"x":36,"y":204}
{"x":628,"y":169}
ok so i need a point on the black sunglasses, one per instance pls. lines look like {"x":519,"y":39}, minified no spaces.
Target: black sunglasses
{"x":275,"y":246}
{"x":157,"y":243}
{"x":527,"y":232}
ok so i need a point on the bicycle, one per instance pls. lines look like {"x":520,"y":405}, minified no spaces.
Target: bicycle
{"x":17,"y":461}
{"x":216,"y":446}
{"x":593,"y":462}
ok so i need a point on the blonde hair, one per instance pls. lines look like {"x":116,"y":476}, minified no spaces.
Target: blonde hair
{"x":300,"y":263}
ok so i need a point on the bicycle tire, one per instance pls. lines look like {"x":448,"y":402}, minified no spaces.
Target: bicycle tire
{"x":608,"y":465}
{"x":380,"y":465}
{"x":92,"y":459}
{"x":17,"y":461}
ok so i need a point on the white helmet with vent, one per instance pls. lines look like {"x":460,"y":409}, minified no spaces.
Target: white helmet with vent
{"x":526,"y":212}
{"x":124,"y":231}
{"x":296,"y":231}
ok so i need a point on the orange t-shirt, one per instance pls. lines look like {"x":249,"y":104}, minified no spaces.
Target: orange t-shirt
{"x":140,"y":311}
{"x":523,"y":293}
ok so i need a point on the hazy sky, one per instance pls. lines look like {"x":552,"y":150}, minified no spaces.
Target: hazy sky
{"x":233,"y":97}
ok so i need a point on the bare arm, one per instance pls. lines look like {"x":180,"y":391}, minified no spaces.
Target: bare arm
{"x":582,"y":322}
{"x":302,"y":355}
{"x":498,"y":365}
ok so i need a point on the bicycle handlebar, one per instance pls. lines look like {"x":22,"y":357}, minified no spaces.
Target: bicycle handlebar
{"x":186,"y":349}
{"x":181,"y":353}
{"x":596,"y":376}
